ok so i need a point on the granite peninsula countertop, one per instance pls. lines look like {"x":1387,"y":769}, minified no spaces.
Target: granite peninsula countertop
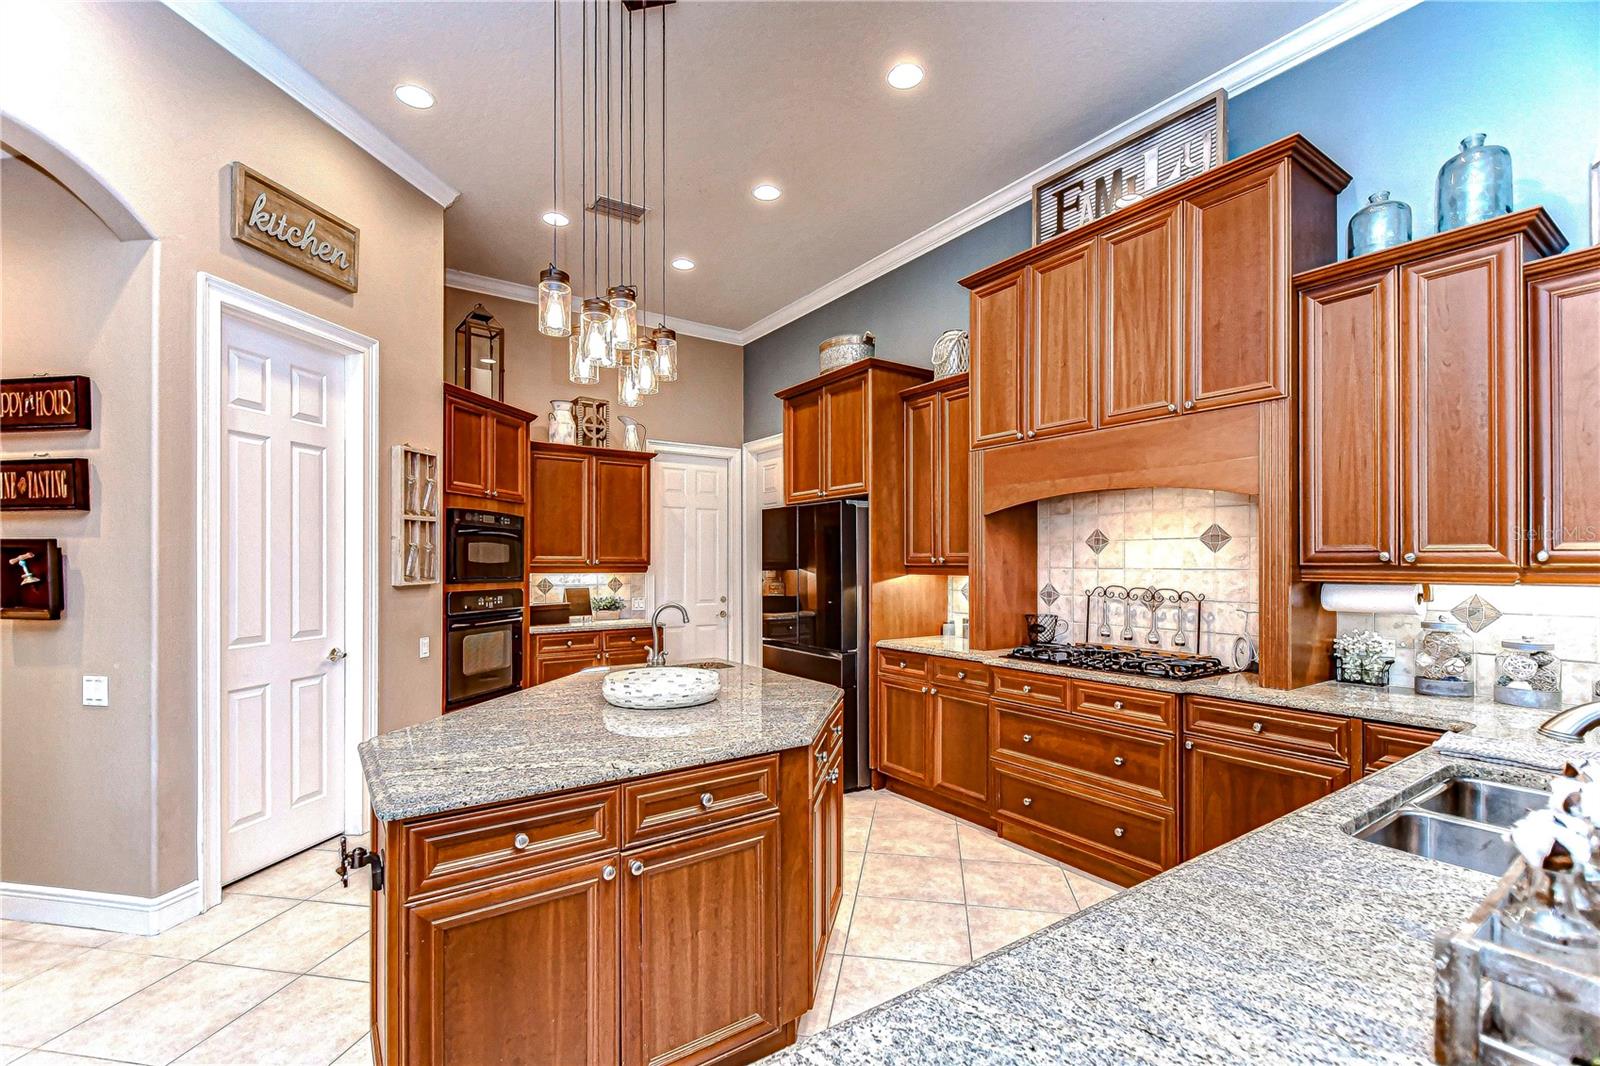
{"x":584,"y":627}
{"x":563,"y":735}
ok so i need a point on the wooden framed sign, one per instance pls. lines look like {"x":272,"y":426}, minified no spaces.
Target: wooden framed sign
{"x":44,"y":485}
{"x":31,"y":584}
{"x":44,"y":403}
{"x":270,"y":218}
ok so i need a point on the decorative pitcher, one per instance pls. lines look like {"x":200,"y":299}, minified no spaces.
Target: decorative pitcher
{"x":563,"y":428}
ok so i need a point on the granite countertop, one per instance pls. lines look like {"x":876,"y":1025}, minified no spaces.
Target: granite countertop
{"x":563,"y":735}
{"x":579,"y":627}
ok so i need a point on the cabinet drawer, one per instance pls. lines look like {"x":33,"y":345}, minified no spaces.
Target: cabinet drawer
{"x":1121,"y":833}
{"x":1110,"y":757}
{"x":1027,"y":687}
{"x":567,"y":645}
{"x":1383,"y":744}
{"x":829,"y":742}
{"x":905,"y":663}
{"x":465,"y":848}
{"x":958,"y":673}
{"x":1126,"y":706}
{"x":706,"y":796}
{"x":1275,"y":728}
{"x":626,"y":639}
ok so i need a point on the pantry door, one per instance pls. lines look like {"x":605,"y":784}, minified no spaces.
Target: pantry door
{"x":284,"y":652}
{"x":691,"y":557}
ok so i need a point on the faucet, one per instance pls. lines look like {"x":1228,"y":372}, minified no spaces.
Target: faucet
{"x":658,"y":648}
{"x":1571,"y":724}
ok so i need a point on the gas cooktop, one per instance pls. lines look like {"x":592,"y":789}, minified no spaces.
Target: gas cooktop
{"x":1146,"y":662}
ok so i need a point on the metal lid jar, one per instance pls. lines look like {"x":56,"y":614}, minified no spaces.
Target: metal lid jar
{"x":1527,"y":673}
{"x":1444,"y":660}
{"x":845,"y":349}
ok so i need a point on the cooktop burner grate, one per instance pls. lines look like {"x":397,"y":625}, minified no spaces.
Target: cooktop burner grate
{"x":1122,"y":660}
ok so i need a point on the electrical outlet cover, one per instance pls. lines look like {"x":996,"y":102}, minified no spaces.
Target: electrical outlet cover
{"x":96,"y":691}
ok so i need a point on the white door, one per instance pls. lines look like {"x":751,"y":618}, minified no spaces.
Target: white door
{"x":281,"y":523}
{"x":690,"y":556}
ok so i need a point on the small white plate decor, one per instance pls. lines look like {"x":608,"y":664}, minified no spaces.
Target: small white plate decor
{"x":658,"y":687}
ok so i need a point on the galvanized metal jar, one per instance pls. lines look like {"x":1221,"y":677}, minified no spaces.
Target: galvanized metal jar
{"x":1527,"y":673}
{"x":951,"y":354}
{"x":845,"y":349}
{"x":1444,"y":660}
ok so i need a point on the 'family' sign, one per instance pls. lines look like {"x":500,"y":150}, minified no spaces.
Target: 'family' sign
{"x":274,"y":220}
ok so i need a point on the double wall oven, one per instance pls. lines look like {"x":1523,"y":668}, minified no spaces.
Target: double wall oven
{"x":483,"y":638}
{"x":483,"y":547}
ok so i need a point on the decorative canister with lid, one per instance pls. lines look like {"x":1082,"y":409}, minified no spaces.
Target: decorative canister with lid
{"x":1383,"y":223}
{"x":845,"y":349}
{"x":563,"y":428}
{"x":951,"y":354}
{"x":1527,"y":673}
{"x":1474,"y":184}
{"x":1444,"y":659}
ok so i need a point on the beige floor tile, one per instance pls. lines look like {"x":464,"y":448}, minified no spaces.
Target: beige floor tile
{"x":980,"y":845}
{"x":11,"y":1054}
{"x":235,"y":916}
{"x":993,"y":928}
{"x":816,"y":1019}
{"x":1018,"y":886}
{"x":359,"y":840}
{"x":299,"y":877}
{"x":865,"y":797}
{"x":857,"y":825}
{"x":841,"y":925}
{"x":912,"y":930}
{"x":896,"y":808}
{"x":1088,"y":890}
{"x":865,"y":983}
{"x":312,"y":1020}
{"x":352,"y":962}
{"x":850,"y":870}
{"x":161,"y":1022}
{"x":53,"y":934}
{"x":48,"y":1004}
{"x":295,"y":940}
{"x":912,"y":877}
{"x":21,"y":959}
{"x":913,"y":836}
{"x":357,"y":894}
{"x":56,"y":1058}
{"x":360,"y":1054}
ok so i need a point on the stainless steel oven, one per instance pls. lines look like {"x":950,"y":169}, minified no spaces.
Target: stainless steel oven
{"x":483,"y":645}
{"x":482,"y":546}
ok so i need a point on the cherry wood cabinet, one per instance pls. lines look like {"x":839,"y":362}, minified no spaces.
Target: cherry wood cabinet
{"x":558,"y":655}
{"x":802,"y":447}
{"x":486,"y":447}
{"x":1230,"y":789}
{"x":1564,"y":409}
{"x":591,"y":509}
{"x":1141,"y":318}
{"x":1060,"y":374}
{"x":998,"y":327}
{"x":938,"y":474}
{"x":905,"y":726}
{"x":828,"y":428}
{"x":1383,"y":744}
{"x":959,"y":762}
{"x":827,"y":857}
{"x":932,"y":717}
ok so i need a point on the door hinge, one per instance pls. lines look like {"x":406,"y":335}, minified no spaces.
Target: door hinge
{"x":355,"y":858}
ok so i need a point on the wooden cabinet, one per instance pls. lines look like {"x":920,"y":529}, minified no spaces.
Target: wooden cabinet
{"x":486,"y":447}
{"x":562,"y":654}
{"x":1141,"y":319}
{"x":827,"y":857}
{"x":844,"y":447}
{"x":960,"y":757}
{"x":1564,"y":365}
{"x":1412,"y":407}
{"x":802,"y":447}
{"x":998,"y":328}
{"x":1060,"y":372}
{"x":591,"y":509}
{"x":938,"y":474}
{"x":932,"y":717}
{"x":1383,"y":744}
{"x":829,"y":427}
{"x":906,"y":730}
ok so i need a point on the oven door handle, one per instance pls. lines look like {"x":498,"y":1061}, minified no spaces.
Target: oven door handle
{"x":514,"y":617}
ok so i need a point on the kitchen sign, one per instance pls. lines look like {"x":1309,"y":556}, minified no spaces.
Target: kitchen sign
{"x":270,"y":218}
{"x":1178,"y":147}
{"x":44,"y":485}
{"x":44,"y":403}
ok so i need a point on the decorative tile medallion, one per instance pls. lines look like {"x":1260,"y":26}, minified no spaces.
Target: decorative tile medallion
{"x":1049,"y":594}
{"x":1215,"y":537}
{"x":1097,"y":541}
{"x":614,"y":584}
{"x":544,"y":585}
{"x":1477,"y":612}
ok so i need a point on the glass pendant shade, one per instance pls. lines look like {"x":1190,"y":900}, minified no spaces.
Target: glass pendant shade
{"x":628,"y":394}
{"x":555,"y":303}
{"x":644,"y":370}
{"x":624,"y":301}
{"x":595,"y":338}
{"x":580,"y":371}
{"x":666,"y":346}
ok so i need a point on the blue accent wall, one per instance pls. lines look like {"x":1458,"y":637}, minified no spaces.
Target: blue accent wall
{"x":1390,"y":106}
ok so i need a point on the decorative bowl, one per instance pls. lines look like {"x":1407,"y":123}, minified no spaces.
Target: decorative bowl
{"x":655,"y":688}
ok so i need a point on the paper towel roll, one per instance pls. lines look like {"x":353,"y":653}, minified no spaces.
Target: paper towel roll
{"x":1373,"y":599}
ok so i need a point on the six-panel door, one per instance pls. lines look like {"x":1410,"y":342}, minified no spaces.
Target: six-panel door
{"x":1564,"y":364}
{"x":1141,"y":328}
{"x":998,"y":333}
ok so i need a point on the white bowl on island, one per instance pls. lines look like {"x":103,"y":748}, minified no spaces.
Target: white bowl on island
{"x":654,"y":688}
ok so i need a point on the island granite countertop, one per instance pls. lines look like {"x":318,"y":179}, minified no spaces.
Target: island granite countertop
{"x":563,"y":735}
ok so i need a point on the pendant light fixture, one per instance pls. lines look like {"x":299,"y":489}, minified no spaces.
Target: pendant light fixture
{"x":580,"y":369}
{"x":663,"y":339}
{"x":555,"y":289}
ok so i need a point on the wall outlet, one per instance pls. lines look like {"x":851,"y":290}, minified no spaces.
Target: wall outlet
{"x":96,"y":691}
{"x":638,"y":603}
{"x":424,"y":647}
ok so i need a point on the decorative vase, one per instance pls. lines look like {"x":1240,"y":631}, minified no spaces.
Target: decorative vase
{"x":845,"y":349}
{"x":1475,"y":184}
{"x":1383,"y":223}
{"x":633,"y":434}
{"x":563,"y":427}
{"x":951,"y":354}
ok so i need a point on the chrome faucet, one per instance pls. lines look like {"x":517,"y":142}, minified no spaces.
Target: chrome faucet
{"x":1571,"y":724}
{"x":658,"y":648}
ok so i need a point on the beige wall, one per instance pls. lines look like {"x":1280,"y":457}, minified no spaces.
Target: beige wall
{"x":704,"y":406}
{"x":160,"y":112}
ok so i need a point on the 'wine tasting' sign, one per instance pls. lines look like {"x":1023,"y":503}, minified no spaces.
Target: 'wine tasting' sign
{"x":44,"y":403}
{"x":268,"y":217}
{"x":44,"y":485}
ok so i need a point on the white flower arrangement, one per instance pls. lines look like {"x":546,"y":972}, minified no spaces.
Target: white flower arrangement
{"x":1564,"y":836}
{"x":1364,"y":656}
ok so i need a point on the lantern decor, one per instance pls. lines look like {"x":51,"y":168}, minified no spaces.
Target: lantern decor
{"x":480,"y":354}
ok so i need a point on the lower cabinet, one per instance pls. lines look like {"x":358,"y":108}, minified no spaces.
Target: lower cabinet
{"x":561,"y":654}
{"x":960,"y":761}
{"x":1383,"y":744}
{"x":935,"y":736}
{"x":907,"y":730}
{"x":1230,"y":788}
{"x":827,"y":858}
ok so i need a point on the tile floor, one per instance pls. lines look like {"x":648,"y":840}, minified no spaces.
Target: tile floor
{"x":277,"y":973}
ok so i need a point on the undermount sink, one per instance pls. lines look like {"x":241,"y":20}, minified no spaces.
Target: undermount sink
{"x":709,"y":664}
{"x":1488,"y":802}
{"x":654,"y":688}
{"x":1452,"y":840}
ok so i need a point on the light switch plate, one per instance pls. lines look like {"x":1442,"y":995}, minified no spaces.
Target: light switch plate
{"x":423,"y":647}
{"x":96,"y":691}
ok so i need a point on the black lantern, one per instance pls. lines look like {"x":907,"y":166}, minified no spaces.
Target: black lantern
{"x":481,"y":354}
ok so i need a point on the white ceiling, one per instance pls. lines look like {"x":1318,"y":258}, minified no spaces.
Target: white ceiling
{"x":787,"y":92}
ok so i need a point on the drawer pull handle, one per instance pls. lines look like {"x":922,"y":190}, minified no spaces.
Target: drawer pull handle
{"x":902,"y":664}
{"x":1117,"y":761}
{"x":636,"y":867}
{"x":609,"y":873}
{"x":1026,"y":689}
{"x":833,"y":776}
{"x":1027,"y":801}
{"x":569,"y":643}
{"x":1027,"y":738}
{"x":822,"y":757}
{"x":1116,"y":705}
{"x":1119,"y":831}
{"x":838,"y":729}
{"x":520,"y":842}
{"x":1255,"y":727}
{"x":961,"y":675}
{"x":706,"y":799}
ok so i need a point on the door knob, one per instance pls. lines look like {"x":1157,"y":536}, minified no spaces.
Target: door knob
{"x":336,"y":655}
{"x":722,"y":614}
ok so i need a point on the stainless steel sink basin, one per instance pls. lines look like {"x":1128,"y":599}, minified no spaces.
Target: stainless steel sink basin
{"x":1453,"y":840}
{"x":1489,"y":802}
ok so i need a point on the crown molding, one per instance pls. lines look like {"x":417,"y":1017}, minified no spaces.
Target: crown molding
{"x":266,"y":59}
{"x":529,"y":294}
{"x":1326,"y":31}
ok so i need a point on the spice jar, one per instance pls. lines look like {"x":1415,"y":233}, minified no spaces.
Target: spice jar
{"x":1444,"y":660}
{"x":1527,"y":673}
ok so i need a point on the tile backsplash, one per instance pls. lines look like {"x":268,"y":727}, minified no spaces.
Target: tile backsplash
{"x":957,"y":611}
{"x":1195,"y":540}
{"x":633,"y":588}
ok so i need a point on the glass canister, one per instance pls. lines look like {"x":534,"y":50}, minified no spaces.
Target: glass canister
{"x":563,"y":428}
{"x":1527,"y":673}
{"x":1444,"y":659}
{"x":1383,"y":223}
{"x":1474,"y":184}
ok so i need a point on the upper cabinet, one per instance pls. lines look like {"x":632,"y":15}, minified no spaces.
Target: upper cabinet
{"x":938,"y":474}
{"x":828,"y":427}
{"x":486,"y":447}
{"x":591,"y":509}
{"x":1175,"y":305}
{"x":1411,"y":401}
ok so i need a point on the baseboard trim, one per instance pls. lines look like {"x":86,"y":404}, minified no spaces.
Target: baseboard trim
{"x":99,"y":910}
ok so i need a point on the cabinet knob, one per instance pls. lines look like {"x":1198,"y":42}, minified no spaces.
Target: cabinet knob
{"x":706,"y":799}
{"x":1027,"y":738}
{"x":1019,"y":434}
{"x":1172,"y":407}
{"x":902,"y":664}
{"x":1255,"y":727}
{"x":933,"y":692}
{"x":961,"y":675}
{"x":924,"y":690}
{"x":1117,"y":760}
{"x":1410,"y":557}
{"x":569,"y":643}
{"x":838,"y":729}
{"x":1116,"y":705}
{"x":1026,"y":689}
{"x":833,"y":776}
{"x":1188,"y":745}
{"x":1031,"y":434}
{"x":1541,"y":556}
{"x":822,"y":757}
{"x":1383,"y":557}
{"x":1188,"y":405}
{"x":520,"y":842}
{"x":636,"y":867}
{"x":609,"y":873}
{"x":1119,"y":831}
{"x":1027,"y":801}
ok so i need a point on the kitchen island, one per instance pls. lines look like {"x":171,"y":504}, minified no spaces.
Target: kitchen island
{"x":564,"y":881}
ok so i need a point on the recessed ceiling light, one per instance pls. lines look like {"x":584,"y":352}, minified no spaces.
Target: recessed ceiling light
{"x":905,"y":76}
{"x":766,"y":192}
{"x":556,"y":219}
{"x":683,"y":263}
{"x":414,"y":96}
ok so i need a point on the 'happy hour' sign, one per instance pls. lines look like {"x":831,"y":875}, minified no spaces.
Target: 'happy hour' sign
{"x":289,"y":227}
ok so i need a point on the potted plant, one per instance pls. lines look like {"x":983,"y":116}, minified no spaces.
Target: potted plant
{"x":606,"y":607}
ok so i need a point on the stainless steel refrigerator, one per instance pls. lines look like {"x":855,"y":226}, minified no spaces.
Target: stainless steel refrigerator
{"x":814,"y":583}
